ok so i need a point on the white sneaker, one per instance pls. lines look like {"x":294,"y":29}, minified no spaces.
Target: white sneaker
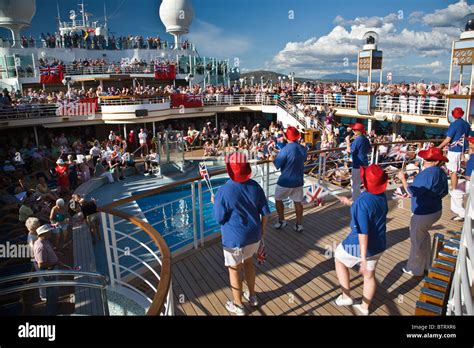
{"x":236,"y":309}
{"x":407,"y":272}
{"x":341,"y":301}
{"x":359,"y":310}
{"x":280,"y":224}
{"x":251,"y":299}
{"x":298,"y":228}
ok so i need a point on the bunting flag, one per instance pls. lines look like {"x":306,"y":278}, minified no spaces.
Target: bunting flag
{"x":261,"y":253}
{"x":51,"y":74}
{"x":205,"y":175}
{"x":165,"y":72}
{"x":315,"y":194}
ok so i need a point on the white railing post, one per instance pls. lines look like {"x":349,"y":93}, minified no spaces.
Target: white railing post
{"x":113,"y":245}
{"x":201,"y":208}
{"x":320,"y":165}
{"x":107,"y":247}
{"x":193,"y":204}
{"x":267,"y":179}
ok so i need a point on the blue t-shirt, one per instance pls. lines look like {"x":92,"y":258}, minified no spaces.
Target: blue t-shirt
{"x":368,"y":216}
{"x":458,"y":131}
{"x":469,"y":166}
{"x":427,"y":190}
{"x":238,"y":208}
{"x":360,"y":148}
{"x":291,"y":162}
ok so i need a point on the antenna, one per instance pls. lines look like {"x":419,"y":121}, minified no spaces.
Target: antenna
{"x":83,"y":13}
{"x":59,"y":15}
{"x":105,"y":15}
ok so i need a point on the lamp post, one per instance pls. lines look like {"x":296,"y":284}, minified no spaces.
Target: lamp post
{"x":241,"y":80}
{"x":292,"y":76}
{"x":280,"y":81}
{"x":251,"y":80}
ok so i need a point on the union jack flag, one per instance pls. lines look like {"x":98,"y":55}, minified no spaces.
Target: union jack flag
{"x":459,"y":142}
{"x":315,"y":194}
{"x":203,"y":171}
{"x":51,"y":74}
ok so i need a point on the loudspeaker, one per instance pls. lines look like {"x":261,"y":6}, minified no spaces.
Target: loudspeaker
{"x":141,"y":113}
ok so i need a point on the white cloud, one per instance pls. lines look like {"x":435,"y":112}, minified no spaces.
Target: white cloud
{"x":449,"y":16}
{"x":212,"y":40}
{"x":331,"y":53}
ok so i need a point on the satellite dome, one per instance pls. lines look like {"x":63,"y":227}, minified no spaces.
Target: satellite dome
{"x":16,"y":15}
{"x":177,"y":16}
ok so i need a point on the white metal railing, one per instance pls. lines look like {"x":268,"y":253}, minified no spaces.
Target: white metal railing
{"x":411,"y":105}
{"x":337,"y":100}
{"x":134,"y":100}
{"x":461,"y":296}
{"x":27,"y":110}
{"x":134,"y":260}
{"x":70,"y":69}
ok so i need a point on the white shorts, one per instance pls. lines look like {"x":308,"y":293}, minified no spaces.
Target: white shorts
{"x":236,"y":256}
{"x":296,"y":194}
{"x":454,"y":161}
{"x":350,"y":261}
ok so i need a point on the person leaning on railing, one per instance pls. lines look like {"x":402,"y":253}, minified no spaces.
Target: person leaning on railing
{"x":426,"y":192}
{"x":241,"y":208}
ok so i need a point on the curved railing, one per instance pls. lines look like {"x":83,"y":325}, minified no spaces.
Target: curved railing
{"x":143,"y":267}
{"x":461,"y":298}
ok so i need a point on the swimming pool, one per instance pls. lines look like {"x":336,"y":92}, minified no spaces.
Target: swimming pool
{"x":174,"y":220}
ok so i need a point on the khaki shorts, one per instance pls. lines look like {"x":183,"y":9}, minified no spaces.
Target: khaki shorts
{"x":93,"y":219}
{"x":350,"y":261}
{"x":236,"y":256}
{"x":296,"y":194}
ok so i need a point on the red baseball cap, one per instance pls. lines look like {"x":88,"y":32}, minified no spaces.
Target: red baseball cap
{"x":457,"y":112}
{"x":374,"y":178}
{"x":237,"y":167}
{"x":358,"y":127}
{"x":470,"y":139}
{"x":292,"y":134}
{"x":433,"y":154}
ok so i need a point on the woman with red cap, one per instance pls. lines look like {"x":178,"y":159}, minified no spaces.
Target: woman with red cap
{"x":367,"y":240}
{"x":290,"y":161}
{"x":456,"y":136}
{"x":241,"y":208}
{"x":359,"y":150}
{"x":426,"y":192}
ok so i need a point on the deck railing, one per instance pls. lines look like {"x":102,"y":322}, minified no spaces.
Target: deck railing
{"x":461,"y":297}
{"x":138,"y":259}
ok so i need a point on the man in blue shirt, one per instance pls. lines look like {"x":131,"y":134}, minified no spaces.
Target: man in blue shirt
{"x":457,"y":195}
{"x":426,"y":192}
{"x":367,"y":239}
{"x":456,"y":136}
{"x":241,"y":208}
{"x":359,"y":150}
{"x":290,"y":161}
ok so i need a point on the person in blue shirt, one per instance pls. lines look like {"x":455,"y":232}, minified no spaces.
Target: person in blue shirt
{"x":359,"y":150}
{"x":290,"y":161}
{"x":241,"y":208}
{"x":457,"y":195}
{"x":367,"y":240}
{"x":456,"y":136}
{"x":426,"y":192}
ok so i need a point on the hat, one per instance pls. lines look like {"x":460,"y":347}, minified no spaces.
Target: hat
{"x":374,"y":178}
{"x":60,"y":161}
{"x":457,"y":112}
{"x":358,"y":127}
{"x":470,"y":139}
{"x":44,"y":229}
{"x":433,"y":154}
{"x":238,"y":168}
{"x":292,"y":134}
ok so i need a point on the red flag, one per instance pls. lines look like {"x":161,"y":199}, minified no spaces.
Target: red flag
{"x":165,"y":72}
{"x":51,"y":74}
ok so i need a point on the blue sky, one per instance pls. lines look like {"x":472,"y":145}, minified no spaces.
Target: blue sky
{"x":310,"y":37}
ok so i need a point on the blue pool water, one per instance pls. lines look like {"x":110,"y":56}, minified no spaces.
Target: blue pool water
{"x":175,"y":221}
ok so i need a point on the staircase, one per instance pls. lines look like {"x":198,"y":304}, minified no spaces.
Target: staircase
{"x":296,"y":117}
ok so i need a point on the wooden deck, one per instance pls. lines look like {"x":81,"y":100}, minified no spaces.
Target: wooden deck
{"x":298,"y":277}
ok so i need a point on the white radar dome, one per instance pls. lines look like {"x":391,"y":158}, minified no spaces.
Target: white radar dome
{"x":16,"y":15}
{"x":177,"y":16}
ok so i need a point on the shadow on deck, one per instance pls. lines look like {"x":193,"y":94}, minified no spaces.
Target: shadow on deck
{"x":298,"y":277}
